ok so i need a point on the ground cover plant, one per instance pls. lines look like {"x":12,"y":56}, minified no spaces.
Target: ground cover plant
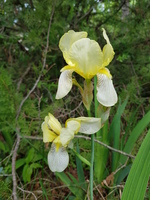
{"x":30,"y":64}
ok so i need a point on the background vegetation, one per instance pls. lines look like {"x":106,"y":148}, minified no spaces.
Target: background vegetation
{"x":25,"y":58}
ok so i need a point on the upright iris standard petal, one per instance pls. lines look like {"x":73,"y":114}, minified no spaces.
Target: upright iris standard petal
{"x":48,"y":135}
{"x":64,"y":84}
{"x":66,"y":136}
{"x":87,"y":57}
{"x":73,"y":125}
{"x":67,"y":40}
{"x":89,"y":125}
{"x":106,"y":94}
{"x":108,"y":52}
{"x":53,"y":123}
{"x":58,"y":160}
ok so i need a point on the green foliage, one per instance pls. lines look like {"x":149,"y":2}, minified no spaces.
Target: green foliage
{"x":101,"y":154}
{"x":137,"y":181}
{"x":72,"y":184}
{"x":23,"y":35}
{"x":114,"y":133}
{"x":29,"y":164}
{"x":5,"y":191}
{"x":7,"y":108}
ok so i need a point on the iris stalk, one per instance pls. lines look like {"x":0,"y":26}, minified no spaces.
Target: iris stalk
{"x":92,"y":144}
{"x":92,"y":161}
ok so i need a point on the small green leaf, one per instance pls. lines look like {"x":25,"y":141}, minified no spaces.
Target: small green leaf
{"x":4,"y":147}
{"x":30,"y":156}
{"x":35,"y":165}
{"x":20,"y":162}
{"x":27,"y":172}
{"x":37,"y":157}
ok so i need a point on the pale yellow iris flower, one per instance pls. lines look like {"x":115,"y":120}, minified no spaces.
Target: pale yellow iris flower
{"x":85,"y":57}
{"x":61,"y":138}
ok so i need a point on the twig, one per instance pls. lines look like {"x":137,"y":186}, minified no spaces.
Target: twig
{"x":105,"y":145}
{"x":26,"y":191}
{"x":32,"y":137}
{"x":44,"y":62}
{"x":124,"y":165}
{"x":85,"y":15}
{"x":5,"y":174}
{"x":14,"y":193}
{"x":87,"y":138}
{"x":99,"y":191}
{"x":111,"y":16}
{"x":24,"y":74}
{"x":69,"y":113}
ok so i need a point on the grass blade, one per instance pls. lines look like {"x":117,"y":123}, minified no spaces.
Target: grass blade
{"x":114,"y":132}
{"x":137,"y":180}
{"x":72,"y":186}
{"x":134,"y":135}
{"x":101,"y":155}
{"x":80,"y":171}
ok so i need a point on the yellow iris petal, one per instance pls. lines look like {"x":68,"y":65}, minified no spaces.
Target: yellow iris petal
{"x":87,"y":57}
{"x":108,"y":52}
{"x":53,"y":123}
{"x":66,"y":136}
{"x":48,"y":136}
{"x":106,"y":72}
{"x":57,"y":142}
{"x":66,"y":42}
{"x":73,"y":125}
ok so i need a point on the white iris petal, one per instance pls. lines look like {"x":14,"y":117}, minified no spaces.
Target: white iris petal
{"x":64,"y":84}
{"x":89,"y":125}
{"x":58,"y":160}
{"x":106,"y":94}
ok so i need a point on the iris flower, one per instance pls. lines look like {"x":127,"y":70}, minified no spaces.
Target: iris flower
{"x":85,"y":57}
{"x":61,"y":138}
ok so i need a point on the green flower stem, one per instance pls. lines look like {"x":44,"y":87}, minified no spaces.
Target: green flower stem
{"x":91,"y":168}
{"x":95,"y":98}
{"x":92,"y":161}
{"x":92,"y":142}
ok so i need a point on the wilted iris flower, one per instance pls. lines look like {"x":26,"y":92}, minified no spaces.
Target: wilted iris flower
{"x":61,"y":138}
{"x":85,"y":57}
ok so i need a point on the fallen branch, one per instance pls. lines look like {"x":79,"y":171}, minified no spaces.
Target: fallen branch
{"x":105,"y":145}
{"x":87,"y":138}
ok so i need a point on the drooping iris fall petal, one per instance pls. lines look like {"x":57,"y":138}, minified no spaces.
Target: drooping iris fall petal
{"x":106,"y":94}
{"x":58,"y":160}
{"x":64,"y":84}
